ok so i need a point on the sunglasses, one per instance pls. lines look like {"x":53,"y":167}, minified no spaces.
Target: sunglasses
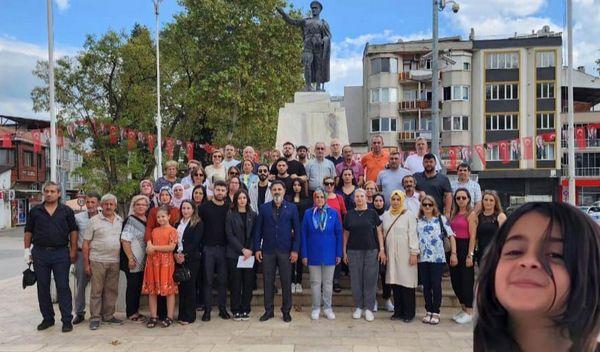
{"x":263,"y":171}
{"x":199,"y":174}
{"x":461,"y":198}
{"x":328,"y":183}
{"x":234,"y":174}
{"x":427,"y":205}
{"x":321,"y":148}
{"x":218,"y":156}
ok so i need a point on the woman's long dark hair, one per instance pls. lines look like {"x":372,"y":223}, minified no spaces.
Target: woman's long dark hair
{"x":204,"y":197}
{"x":234,"y":204}
{"x":580,"y":319}
{"x":340,"y":182}
{"x":303,"y":191}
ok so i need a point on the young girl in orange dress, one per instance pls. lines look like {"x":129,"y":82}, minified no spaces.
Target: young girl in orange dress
{"x":160,"y":265}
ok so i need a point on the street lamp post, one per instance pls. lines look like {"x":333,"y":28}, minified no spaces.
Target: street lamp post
{"x":158,"y":117}
{"x":53,"y":154}
{"x":438,"y":6}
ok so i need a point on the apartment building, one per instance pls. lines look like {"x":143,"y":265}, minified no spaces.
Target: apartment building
{"x":493,"y":94}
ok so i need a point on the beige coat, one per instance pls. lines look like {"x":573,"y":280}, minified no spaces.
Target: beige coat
{"x":400,"y":242}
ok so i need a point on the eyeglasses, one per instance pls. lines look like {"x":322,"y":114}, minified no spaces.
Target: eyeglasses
{"x":329,"y":183}
{"x":320,"y":148}
{"x":218,"y":156}
{"x":263,"y":171}
{"x":427,"y":205}
{"x":461,"y":198}
{"x":233,"y":173}
{"x":201,"y":174}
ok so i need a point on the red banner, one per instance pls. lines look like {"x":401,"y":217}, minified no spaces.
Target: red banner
{"x":452,"y":156}
{"x":113,"y":134}
{"x":528,"y":148}
{"x":189,"y":147}
{"x":580,"y":137}
{"x":131,"y":139}
{"x":504,"y":152}
{"x":60,"y":139}
{"x":37,"y":141}
{"x":6,"y":140}
{"x":151,"y":139}
{"x":481,"y":153}
{"x":170,"y":144}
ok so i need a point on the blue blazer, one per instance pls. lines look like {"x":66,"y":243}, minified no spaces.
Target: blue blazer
{"x":271,"y":235}
{"x":321,"y":247}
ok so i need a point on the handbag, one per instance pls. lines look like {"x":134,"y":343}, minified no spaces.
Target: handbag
{"x":383,"y":267}
{"x":29,"y":278}
{"x":444,"y":235}
{"x":182,"y":273}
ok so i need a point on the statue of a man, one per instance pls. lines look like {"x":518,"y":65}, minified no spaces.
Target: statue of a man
{"x":317,"y":46}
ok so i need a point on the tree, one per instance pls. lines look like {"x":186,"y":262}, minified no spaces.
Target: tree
{"x":111,"y":81}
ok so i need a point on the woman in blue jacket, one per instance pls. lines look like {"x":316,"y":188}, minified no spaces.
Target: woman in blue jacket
{"x":321,"y":251}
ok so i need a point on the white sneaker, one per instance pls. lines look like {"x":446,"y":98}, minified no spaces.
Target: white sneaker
{"x":389,"y":306}
{"x":293,"y":288}
{"x":369,"y":315}
{"x":376,"y":307}
{"x":458,"y":315}
{"x":357,"y":313}
{"x":314,"y":315}
{"x":298,"y":288}
{"x":329,"y":314}
{"x":464,"y":318}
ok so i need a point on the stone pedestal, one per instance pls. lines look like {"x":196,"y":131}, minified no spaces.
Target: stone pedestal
{"x":311,"y":118}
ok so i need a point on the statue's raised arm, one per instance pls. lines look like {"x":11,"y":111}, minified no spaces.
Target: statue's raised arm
{"x":288,"y":19}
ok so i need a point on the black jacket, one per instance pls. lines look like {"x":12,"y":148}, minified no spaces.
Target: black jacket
{"x":192,"y":241}
{"x":236,"y":238}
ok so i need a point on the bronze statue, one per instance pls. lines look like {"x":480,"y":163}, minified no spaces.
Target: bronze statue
{"x":317,"y":46}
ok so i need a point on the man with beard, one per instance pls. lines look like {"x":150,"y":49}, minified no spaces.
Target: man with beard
{"x":275,"y":247}
{"x":302,"y":154}
{"x":390,"y":179}
{"x":412,"y":201}
{"x":294,"y":167}
{"x":432,"y":183}
{"x":375,"y":160}
{"x":259,"y":191}
{"x":214,"y":241}
{"x":284,"y":176}
{"x":230,"y":160}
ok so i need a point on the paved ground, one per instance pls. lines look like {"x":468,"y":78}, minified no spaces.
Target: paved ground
{"x":19,"y":316}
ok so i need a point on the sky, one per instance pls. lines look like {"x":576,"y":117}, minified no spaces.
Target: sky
{"x":24,"y":37}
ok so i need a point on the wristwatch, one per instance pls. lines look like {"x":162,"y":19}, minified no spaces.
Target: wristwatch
{"x":471,"y":254}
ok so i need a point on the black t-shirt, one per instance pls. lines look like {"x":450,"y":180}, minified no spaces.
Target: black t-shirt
{"x":362,"y":226}
{"x":51,"y":230}
{"x":294,"y":167}
{"x":434,"y":186}
{"x":262,"y":192}
{"x":213,"y":217}
{"x":287,"y":181}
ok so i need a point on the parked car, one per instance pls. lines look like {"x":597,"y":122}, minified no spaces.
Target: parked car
{"x":593,"y":211}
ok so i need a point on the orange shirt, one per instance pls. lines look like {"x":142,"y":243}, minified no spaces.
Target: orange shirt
{"x":373,"y":164}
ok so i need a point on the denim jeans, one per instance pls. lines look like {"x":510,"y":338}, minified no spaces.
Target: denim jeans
{"x":321,"y":285}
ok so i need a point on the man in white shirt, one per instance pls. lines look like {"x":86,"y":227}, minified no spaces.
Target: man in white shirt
{"x":412,"y":201}
{"x":230,"y":157}
{"x":318,"y":168}
{"x":464,"y":181}
{"x":414,"y":162}
{"x":390,"y":179}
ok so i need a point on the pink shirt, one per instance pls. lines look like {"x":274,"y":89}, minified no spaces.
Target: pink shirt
{"x":460,"y":226}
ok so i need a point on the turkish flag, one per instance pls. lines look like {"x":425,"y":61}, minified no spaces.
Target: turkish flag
{"x":452,"y":156}
{"x":528,"y":148}
{"x":580,"y":137}
{"x":37,"y":141}
{"x":60,"y":139}
{"x":131,"y":139}
{"x":549,"y":137}
{"x":6,"y":140}
{"x":504,"y":152}
{"x":189,"y":147}
{"x":113,"y":134}
{"x":481,"y":153}
{"x":151,"y":139}
{"x":170,"y":144}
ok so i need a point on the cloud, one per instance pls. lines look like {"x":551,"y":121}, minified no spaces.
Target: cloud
{"x":62,"y":4}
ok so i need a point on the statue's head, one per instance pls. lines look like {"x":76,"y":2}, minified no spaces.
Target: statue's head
{"x":316,"y":8}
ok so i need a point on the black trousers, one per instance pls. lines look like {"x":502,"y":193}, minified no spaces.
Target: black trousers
{"x":431,"y":274}
{"x":241,"y":284}
{"x":187,"y":294}
{"x":387,"y":289}
{"x":214,"y":259}
{"x":461,"y":277}
{"x":133,"y":292}
{"x":200,"y":285}
{"x":271,"y":262}
{"x":57,"y":262}
{"x":297,"y":270}
{"x":404,"y":301}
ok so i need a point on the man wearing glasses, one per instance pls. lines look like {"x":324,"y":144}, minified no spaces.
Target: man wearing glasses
{"x":259,"y":191}
{"x":192,"y":167}
{"x":319,"y":168}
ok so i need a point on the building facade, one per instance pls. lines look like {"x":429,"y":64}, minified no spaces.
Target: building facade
{"x":493,"y":93}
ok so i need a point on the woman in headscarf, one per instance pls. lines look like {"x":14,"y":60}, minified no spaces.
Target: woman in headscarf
{"x":178,"y":195}
{"x":402,"y":249}
{"x":321,"y":251}
{"x":147,"y":189}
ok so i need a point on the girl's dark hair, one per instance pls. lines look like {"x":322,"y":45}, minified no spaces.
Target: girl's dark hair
{"x":234,"y":204}
{"x":340,"y":182}
{"x":204,"y":198}
{"x":303,"y":190}
{"x":580,"y":319}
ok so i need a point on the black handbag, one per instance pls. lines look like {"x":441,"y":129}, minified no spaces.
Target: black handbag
{"x":29,"y":278}
{"x":181,"y":274}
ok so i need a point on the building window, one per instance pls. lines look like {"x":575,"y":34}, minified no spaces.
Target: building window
{"x":466,"y":66}
{"x":508,"y":91}
{"x":425,"y":124}
{"x":408,"y":124}
{"x":7,"y":157}
{"x":546,"y":152}
{"x":492,"y":153}
{"x":384,"y":95}
{"x":384,"y":64}
{"x":455,"y":123}
{"x":502,"y":61}
{"x":545,"y":59}
{"x":428,"y":64}
{"x":502,"y":122}
{"x":545,"y":90}
{"x":383,"y":124}
{"x":545,"y":121}
{"x":456,"y":93}
{"x":28,"y":159}
{"x":409,"y":95}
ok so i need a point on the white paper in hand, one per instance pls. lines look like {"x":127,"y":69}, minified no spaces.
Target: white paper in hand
{"x":244,"y":263}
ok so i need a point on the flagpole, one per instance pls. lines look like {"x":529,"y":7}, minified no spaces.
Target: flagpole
{"x":53,"y":175}
{"x":158,"y":117}
{"x":571,"y":116}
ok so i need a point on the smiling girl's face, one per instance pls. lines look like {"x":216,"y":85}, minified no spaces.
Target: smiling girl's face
{"x":523,"y":287}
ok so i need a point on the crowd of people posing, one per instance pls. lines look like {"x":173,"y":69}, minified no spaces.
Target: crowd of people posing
{"x":403,"y":222}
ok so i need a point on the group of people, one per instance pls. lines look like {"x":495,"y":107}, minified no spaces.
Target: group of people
{"x":381,"y":217}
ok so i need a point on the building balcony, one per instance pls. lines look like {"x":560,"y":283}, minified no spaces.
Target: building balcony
{"x":589,"y":143}
{"x":411,"y":136}
{"x":413,"y":105}
{"x":583,"y":171}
